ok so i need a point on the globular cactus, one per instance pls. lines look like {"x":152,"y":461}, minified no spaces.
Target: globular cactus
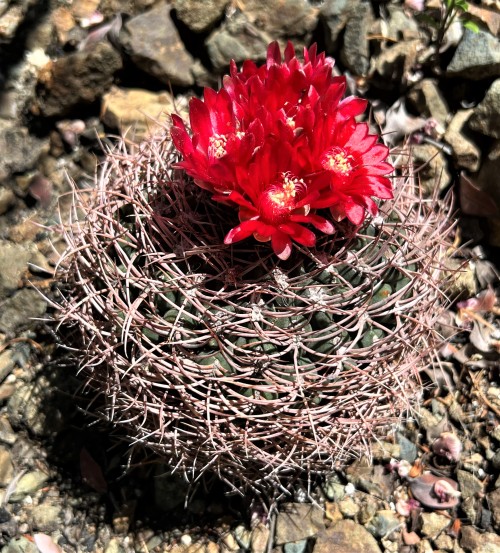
{"x":226,"y":358}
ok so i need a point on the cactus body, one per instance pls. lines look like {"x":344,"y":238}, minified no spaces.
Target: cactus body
{"x":225,"y":358}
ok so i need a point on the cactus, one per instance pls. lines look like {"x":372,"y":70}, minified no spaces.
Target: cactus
{"x":257,"y":363}
{"x":222,"y":358}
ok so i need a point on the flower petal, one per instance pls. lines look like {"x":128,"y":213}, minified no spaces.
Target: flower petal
{"x":281,"y":244}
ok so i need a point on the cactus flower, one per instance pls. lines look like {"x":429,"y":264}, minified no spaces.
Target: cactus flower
{"x":279,"y":143}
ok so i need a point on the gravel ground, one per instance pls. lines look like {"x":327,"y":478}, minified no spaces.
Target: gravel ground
{"x":71,"y":73}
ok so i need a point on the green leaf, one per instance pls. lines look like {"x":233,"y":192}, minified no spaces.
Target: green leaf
{"x":461,"y":5}
{"x":472,"y":26}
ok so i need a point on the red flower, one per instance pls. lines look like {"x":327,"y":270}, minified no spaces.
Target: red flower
{"x":275,"y":202}
{"x":279,"y":143}
{"x":218,"y":145}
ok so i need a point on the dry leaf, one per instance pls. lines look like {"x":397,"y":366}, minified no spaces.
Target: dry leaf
{"x":474,"y":201}
{"x":91,"y":472}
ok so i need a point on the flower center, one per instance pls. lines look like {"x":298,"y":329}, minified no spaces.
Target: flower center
{"x":279,"y":200}
{"x":217,"y":146}
{"x":338,"y":161}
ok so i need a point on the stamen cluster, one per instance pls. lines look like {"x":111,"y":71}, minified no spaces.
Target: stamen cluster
{"x":279,"y":142}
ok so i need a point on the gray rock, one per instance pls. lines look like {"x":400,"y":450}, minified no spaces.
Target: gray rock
{"x":28,"y":484}
{"x":28,"y":407}
{"x":334,"y":491}
{"x":20,"y":309}
{"x":400,"y":24}
{"x":154,"y":45}
{"x":345,"y":536}
{"x":7,"y":364}
{"x":384,"y":451}
{"x":470,"y":485}
{"x":14,"y":259}
{"x":200,"y":16}
{"x":334,"y":15}
{"x":170,"y":490}
{"x":348,"y":507}
{"x":383,"y":523}
{"x":493,"y":499}
{"x":20,"y":150}
{"x":433,"y":171}
{"x":7,"y":435}
{"x":486,"y":116}
{"x":408,"y":448}
{"x":6,"y":467}
{"x":114,"y":546}
{"x":298,"y":521}
{"x":20,"y":545}
{"x":45,"y":518}
{"x":7,"y":199}
{"x":371,"y":478}
{"x":395,"y":62}
{"x":281,"y":18}
{"x":295,"y":547}
{"x":237,"y":39}
{"x":474,"y":542}
{"x":355,"y":53}
{"x":77,"y":79}
{"x":243,"y":536}
{"x":465,"y":152}
{"x":476,"y":57}
{"x":433,"y":524}
{"x":428,"y":100}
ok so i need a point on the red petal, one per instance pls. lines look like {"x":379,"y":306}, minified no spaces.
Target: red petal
{"x":281,"y":244}
{"x":318,"y":222}
{"x":238,"y":199}
{"x":299,"y":233}
{"x":354,"y":212}
{"x":289,"y":52}
{"x":182,"y":140}
{"x":200,"y":121}
{"x":273,"y":54}
{"x":242,"y":231}
{"x":352,"y":106}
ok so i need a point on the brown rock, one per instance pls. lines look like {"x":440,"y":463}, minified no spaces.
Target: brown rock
{"x":429,"y":101}
{"x":465,"y":152}
{"x":79,"y":78}
{"x":432,"y":166}
{"x":346,"y":536}
{"x":136,"y":112}
{"x":260,"y":538}
{"x":476,"y":542}
{"x":6,"y":467}
{"x":155,"y":46}
{"x":237,"y":39}
{"x":199,"y":16}
{"x":486,"y":116}
{"x":63,"y":22}
{"x":84,"y":8}
{"x":297,"y":521}
{"x":395,"y":63}
{"x":493,"y":499}
{"x":281,"y":18}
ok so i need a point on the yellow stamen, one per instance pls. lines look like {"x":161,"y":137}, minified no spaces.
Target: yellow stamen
{"x":338,"y":161}
{"x":217,"y":146}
